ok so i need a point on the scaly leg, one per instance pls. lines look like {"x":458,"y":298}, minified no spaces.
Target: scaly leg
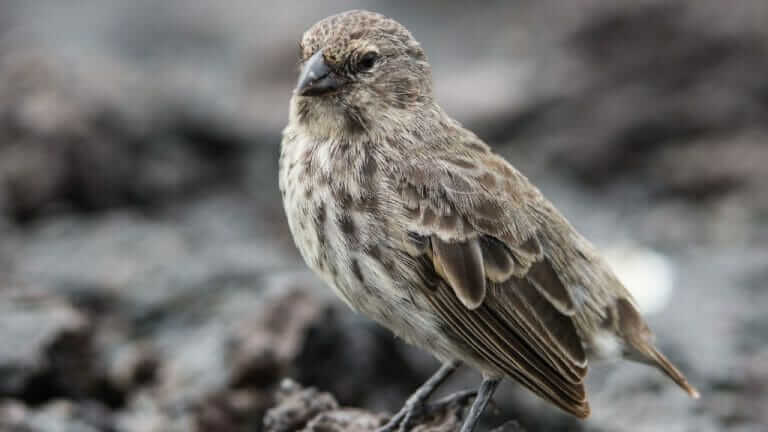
{"x":484,"y":394}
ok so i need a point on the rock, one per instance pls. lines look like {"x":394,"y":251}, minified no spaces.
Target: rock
{"x":101,"y":150}
{"x":308,"y":410}
{"x":296,"y":407}
{"x":511,"y":426}
{"x":42,"y":338}
{"x":663,"y":114}
{"x":55,"y":416}
{"x":344,"y":420}
{"x":267,"y":347}
{"x":145,"y":413}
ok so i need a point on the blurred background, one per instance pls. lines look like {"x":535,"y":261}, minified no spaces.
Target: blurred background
{"x":148,"y":281}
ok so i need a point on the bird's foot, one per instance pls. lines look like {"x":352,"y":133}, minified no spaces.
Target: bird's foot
{"x":416,"y":409}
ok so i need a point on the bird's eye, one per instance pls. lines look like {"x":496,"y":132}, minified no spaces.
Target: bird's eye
{"x":367,"y":61}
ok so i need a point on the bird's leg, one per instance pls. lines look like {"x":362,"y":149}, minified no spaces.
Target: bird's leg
{"x":416,"y":401}
{"x":484,"y":394}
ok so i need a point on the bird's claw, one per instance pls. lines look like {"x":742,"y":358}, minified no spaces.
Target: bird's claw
{"x":413,"y":410}
{"x":403,"y":418}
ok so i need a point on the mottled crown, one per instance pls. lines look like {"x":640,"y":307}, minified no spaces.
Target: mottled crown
{"x":340,"y":34}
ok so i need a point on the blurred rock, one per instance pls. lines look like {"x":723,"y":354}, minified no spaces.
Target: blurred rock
{"x":660,"y":99}
{"x":66,"y":145}
{"x":344,"y":420}
{"x":268,"y":347}
{"x":322,"y":347}
{"x":511,"y":426}
{"x":47,"y":350}
{"x":309,"y":411}
{"x":296,"y":407}
{"x":55,"y":416}
{"x":348,"y":355}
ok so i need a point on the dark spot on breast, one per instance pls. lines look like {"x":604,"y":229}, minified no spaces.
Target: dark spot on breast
{"x":306,"y":155}
{"x":308,"y":192}
{"x":370,"y":166}
{"x":374,"y":252}
{"x":325,"y":178}
{"x":355,"y":120}
{"x":302,"y":112}
{"x":320,"y":215}
{"x":306,"y":159}
{"x":320,"y":225}
{"x":389,"y":265}
{"x":369,"y":204}
{"x":348,"y":228}
{"x":343,"y":198}
{"x":356,"y":270}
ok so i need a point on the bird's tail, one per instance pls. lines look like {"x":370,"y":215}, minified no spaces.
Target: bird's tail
{"x":639,"y":341}
{"x":650,"y":355}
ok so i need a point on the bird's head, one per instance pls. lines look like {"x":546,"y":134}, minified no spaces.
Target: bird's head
{"x":357,"y":66}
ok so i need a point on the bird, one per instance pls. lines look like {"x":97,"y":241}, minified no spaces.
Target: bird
{"x":413,"y":221}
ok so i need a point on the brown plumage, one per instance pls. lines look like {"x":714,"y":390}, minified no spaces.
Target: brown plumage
{"x":414,"y":222}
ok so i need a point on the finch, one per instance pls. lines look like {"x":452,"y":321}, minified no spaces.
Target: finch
{"x":414,"y":222}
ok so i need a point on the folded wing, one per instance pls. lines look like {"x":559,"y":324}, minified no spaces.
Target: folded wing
{"x":497,"y":289}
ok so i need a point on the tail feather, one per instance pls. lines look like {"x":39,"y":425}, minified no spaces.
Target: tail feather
{"x":656,"y":358}
{"x":639,"y":340}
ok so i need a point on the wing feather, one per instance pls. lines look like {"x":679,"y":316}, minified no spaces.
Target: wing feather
{"x":461,"y":265}
{"x":496,"y":339}
{"x":498,"y":290}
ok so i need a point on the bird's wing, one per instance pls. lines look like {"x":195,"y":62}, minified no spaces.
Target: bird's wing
{"x":478,"y":221}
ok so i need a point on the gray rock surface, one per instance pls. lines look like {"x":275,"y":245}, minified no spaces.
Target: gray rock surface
{"x":148,"y":281}
{"x":310,"y":411}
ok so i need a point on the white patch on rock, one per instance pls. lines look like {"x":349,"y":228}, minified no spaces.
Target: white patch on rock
{"x":647,"y":274}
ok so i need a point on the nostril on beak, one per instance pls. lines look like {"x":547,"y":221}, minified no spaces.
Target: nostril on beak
{"x":316,"y":77}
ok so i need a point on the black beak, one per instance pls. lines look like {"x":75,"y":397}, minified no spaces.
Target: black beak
{"x":317,"y":78}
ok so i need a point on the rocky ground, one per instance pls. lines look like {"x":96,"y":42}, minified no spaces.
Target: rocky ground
{"x":148,"y":281}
